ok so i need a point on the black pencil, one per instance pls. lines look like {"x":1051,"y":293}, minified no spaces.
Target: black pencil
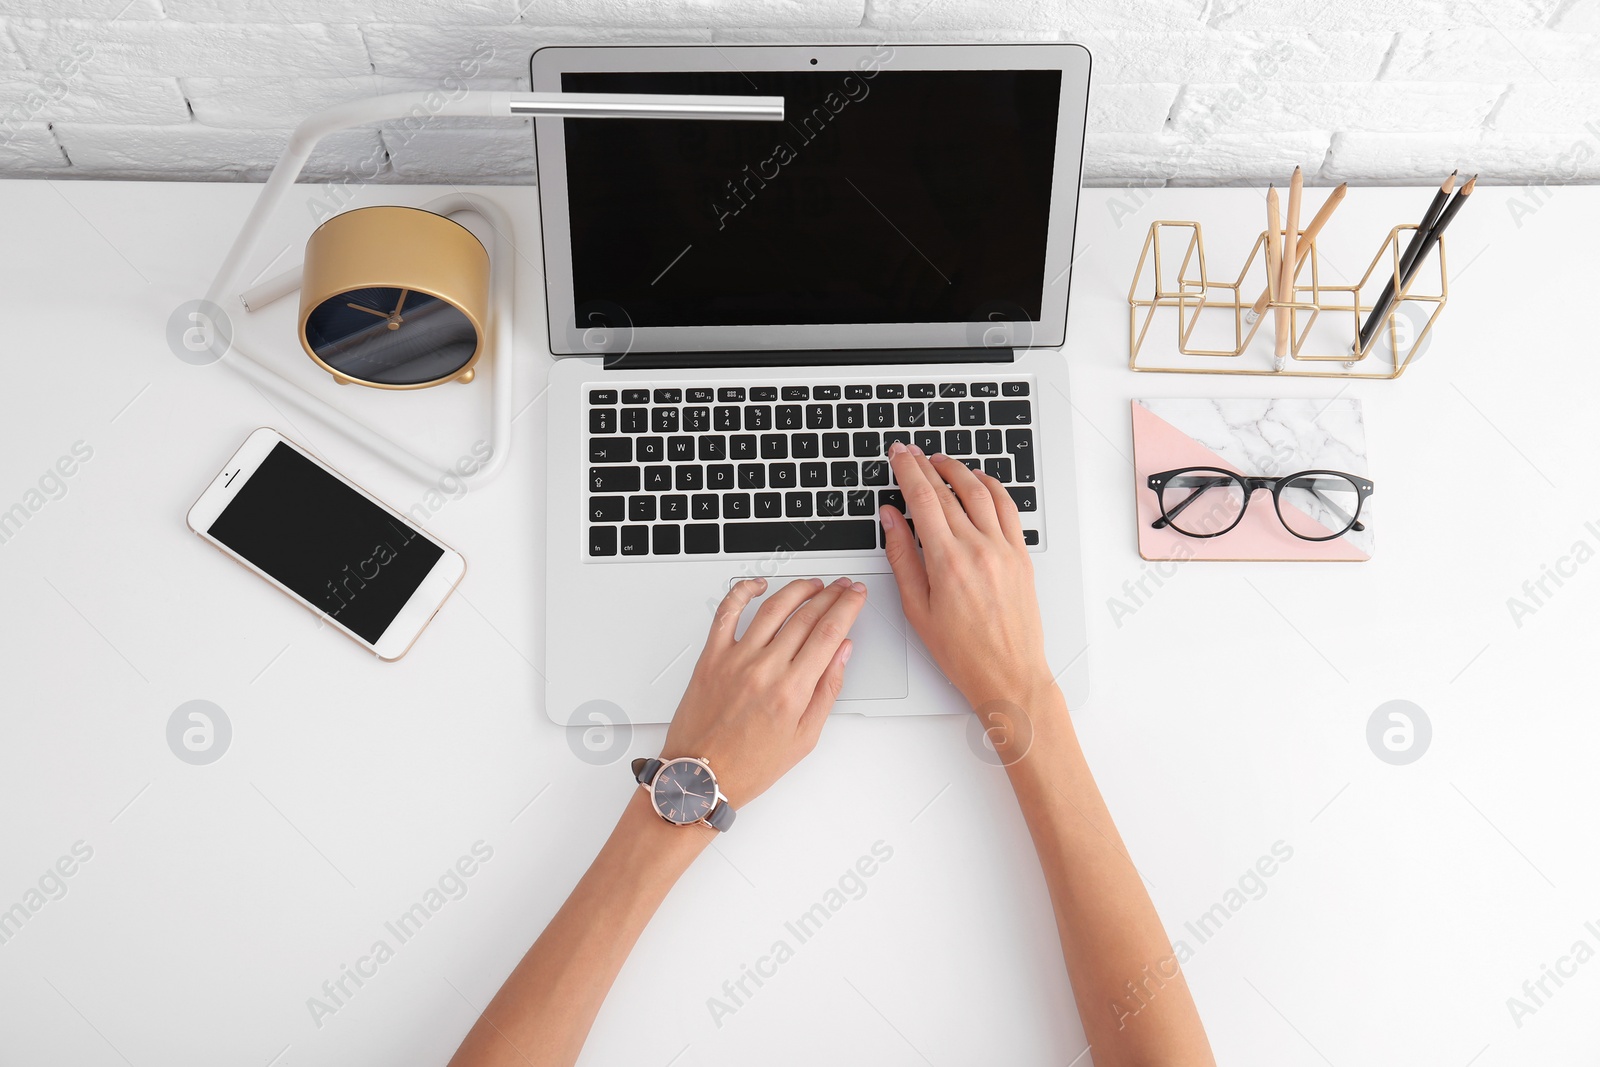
{"x":1437,"y":230}
{"x":1408,"y":258}
{"x":1414,"y":248}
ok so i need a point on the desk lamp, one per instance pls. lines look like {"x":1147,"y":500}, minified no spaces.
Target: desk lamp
{"x":474,"y":104}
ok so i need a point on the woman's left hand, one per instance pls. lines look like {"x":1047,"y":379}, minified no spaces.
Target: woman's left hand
{"x":755,"y":706}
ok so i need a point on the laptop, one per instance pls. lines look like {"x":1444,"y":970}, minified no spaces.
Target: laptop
{"x":745,"y":315}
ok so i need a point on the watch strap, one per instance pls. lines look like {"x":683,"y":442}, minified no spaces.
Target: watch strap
{"x":645,"y":769}
{"x":721,"y":816}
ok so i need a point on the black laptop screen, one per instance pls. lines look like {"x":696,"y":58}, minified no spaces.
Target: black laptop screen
{"x":909,"y":196}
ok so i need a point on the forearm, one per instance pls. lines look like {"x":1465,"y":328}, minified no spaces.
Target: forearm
{"x":754,"y":707}
{"x":1131,"y":995}
{"x":543,"y":1013}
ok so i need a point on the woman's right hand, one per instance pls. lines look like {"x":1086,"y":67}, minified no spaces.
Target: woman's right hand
{"x":969,"y":592}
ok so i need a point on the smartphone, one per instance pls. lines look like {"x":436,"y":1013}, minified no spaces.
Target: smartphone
{"x":348,"y":557}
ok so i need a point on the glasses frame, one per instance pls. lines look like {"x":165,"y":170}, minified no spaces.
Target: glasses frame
{"x":1249,"y":485}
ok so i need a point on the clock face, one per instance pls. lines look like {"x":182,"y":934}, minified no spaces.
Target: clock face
{"x":391,"y":336}
{"x":684,"y":791}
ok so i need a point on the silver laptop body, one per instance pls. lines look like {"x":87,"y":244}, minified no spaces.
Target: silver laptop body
{"x":744,"y":315}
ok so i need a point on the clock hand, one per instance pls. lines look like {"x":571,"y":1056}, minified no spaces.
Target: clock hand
{"x":369,"y":311}
{"x":403,"y":294}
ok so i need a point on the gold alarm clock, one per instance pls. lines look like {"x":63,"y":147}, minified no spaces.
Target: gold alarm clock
{"x":394,"y":298}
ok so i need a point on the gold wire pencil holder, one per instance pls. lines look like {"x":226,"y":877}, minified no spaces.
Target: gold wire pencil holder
{"x":1192,"y":294}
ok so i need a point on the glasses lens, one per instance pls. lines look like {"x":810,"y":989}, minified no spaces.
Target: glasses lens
{"x":1318,"y":507}
{"x":1202,"y":503}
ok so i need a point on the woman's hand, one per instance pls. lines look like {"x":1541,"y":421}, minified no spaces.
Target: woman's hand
{"x":972,"y":600}
{"x":755,"y":706}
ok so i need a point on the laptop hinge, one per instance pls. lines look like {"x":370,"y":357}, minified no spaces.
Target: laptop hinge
{"x":829,"y":357}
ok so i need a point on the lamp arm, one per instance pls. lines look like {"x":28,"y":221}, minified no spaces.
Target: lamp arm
{"x":437,"y":103}
{"x":475,"y":103}
{"x":332,"y":120}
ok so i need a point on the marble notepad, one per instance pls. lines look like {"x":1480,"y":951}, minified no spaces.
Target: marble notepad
{"x":1269,"y":438}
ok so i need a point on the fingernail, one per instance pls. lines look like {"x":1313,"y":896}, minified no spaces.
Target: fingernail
{"x":858,"y":587}
{"x":841,"y":581}
{"x":849,"y":648}
{"x":939,"y":457}
{"x":916,"y":450}
{"x":886,"y":517}
{"x":816,"y":582}
{"x":896,"y":448}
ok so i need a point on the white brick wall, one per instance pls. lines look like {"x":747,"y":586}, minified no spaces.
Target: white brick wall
{"x":1186,"y":91}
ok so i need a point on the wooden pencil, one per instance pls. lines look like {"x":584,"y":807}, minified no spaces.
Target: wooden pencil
{"x":1303,"y":246}
{"x":1280,"y":323}
{"x":1291,"y":238}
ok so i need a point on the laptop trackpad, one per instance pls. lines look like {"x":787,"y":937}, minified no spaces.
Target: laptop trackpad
{"x":877,"y":668}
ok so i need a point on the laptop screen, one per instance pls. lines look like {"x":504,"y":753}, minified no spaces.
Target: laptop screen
{"x":907,"y":196}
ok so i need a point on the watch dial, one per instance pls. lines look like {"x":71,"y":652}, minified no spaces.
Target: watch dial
{"x":391,"y":336}
{"x":684,"y":791}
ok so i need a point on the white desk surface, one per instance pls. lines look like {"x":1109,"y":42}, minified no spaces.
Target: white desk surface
{"x":1230,"y":713}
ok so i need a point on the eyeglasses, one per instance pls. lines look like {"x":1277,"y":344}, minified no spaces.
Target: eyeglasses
{"x":1208,"y":502}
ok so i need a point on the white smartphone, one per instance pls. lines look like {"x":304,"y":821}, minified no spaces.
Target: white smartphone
{"x":348,"y":557}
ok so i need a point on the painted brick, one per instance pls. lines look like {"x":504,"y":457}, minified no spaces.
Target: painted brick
{"x":1213,"y":57}
{"x":188,"y":49}
{"x":693,"y":13}
{"x":1570,"y":111}
{"x":29,"y":149}
{"x":454,"y":12}
{"x":873,"y":35}
{"x":10,"y":58}
{"x":1493,"y":56}
{"x":1583,"y":16}
{"x":1097,"y":15}
{"x":270,"y":103}
{"x":1516,"y":159}
{"x":1130,"y":108}
{"x":1495,"y":157}
{"x":205,"y":153}
{"x":414,"y":51}
{"x":584,"y":14}
{"x":499,"y":156}
{"x":109,"y":10}
{"x":1118,"y":158}
{"x":1282,"y":15}
{"x":1378,"y":106}
{"x":282,"y":103}
{"x":83,"y":97}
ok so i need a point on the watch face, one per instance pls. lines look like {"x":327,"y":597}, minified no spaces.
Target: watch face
{"x":684,"y":791}
{"x":391,"y":336}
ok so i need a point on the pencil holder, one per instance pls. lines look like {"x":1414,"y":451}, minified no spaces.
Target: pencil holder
{"x":1189,"y":295}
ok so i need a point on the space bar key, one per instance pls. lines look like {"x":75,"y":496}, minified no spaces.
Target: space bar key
{"x":799,"y":536}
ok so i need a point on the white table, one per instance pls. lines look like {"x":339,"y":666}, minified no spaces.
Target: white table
{"x":1229,"y":714}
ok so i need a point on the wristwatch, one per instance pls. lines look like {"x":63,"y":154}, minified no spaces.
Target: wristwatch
{"x":684,"y":791}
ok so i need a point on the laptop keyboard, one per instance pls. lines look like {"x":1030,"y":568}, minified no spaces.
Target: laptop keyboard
{"x":713,"y":470}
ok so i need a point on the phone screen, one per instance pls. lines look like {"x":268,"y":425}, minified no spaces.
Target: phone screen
{"x":335,"y":548}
